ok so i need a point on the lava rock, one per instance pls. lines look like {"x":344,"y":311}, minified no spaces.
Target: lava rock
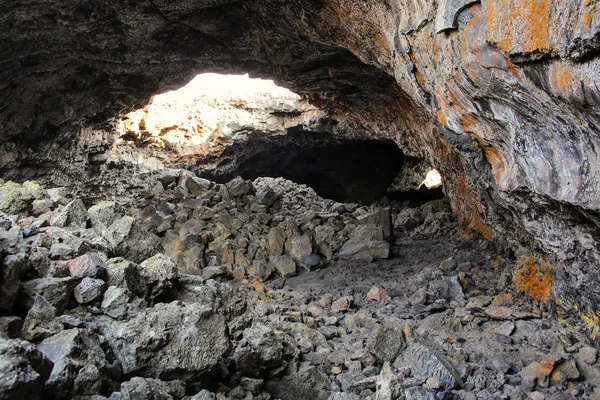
{"x":89,"y":290}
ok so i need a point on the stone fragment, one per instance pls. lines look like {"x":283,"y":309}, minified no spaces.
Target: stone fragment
{"x":498,"y":364}
{"x":378,"y":293}
{"x":60,"y":251}
{"x":74,"y":215}
{"x":386,"y":341}
{"x":157,"y":275}
{"x":102,"y":215}
{"x":187,"y":248}
{"x":539,"y":373}
{"x":267,"y":196}
{"x":342,"y":304}
{"x":418,"y":297}
{"x":506,"y":328}
{"x":40,"y":321}
{"x":389,"y":384}
{"x":70,"y":321}
{"x":284,"y":265}
{"x":450,"y":289}
{"x":132,"y":240}
{"x":447,"y":14}
{"x":588,"y":355}
{"x":23,"y":370}
{"x":366,"y":243}
{"x":299,"y":246}
{"x":276,"y":238}
{"x":57,"y":291}
{"x":169,"y":176}
{"x":196,"y":185}
{"x":10,"y":327}
{"x":89,"y":290}
{"x":13,"y":268}
{"x":80,"y":366}
{"x":87,"y":265}
{"x":564,"y":373}
{"x":310,"y":262}
{"x":448,"y":265}
{"x":114,"y":302}
{"x":381,"y":218}
{"x":139,"y":388}
{"x":215,"y":272}
{"x":478,"y":303}
{"x":237,"y":187}
{"x":16,"y":198}
{"x":502,"y":300}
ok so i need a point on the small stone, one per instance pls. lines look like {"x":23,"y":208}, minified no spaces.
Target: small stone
{"x":342,"y":304}
{"x":498,"y":364}
{"x":503,"y":299}
{"x":89,"y":290}
{"x":506,"y":328}
{"x":434,"y":383}
{"x":310,"y":262}
{"x":418,"y":297}
{"x":276,"y":239}
{"x":378,"y":293}
{"x":196,"y":185}
{"x":448,"y":264}
{"x":60,"y":251}
{"x":70,"y":321}
{"x":500,"y":313}
{"x":214,"y":272}
{"x":114,"y":303}
{"x":504,"y":339}
{"x":267,"y":196}
{"x":539,"y":373}
{"x":479,"y":302}
{"x":564,"y":373}
{"x":284,"y":265}
{"x":336,"y":370}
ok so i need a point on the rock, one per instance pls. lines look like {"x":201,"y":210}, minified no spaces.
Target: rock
{"x":425,"y":362}
{"x":88,"y":265}
{"x":539,"y":373}
{"x":381,"y":218}
{"x":61,"y":252}
{"x":409,"y":219}
{"x":366,"y":244}
{"x":102,"y":215}
{"x":506,"y":328}
{"x":89,"y":290}
{"x":13,"y":268}
{"x":298,"y":247}
{"x":80,"y":366}
{"x":203,"y":395}
{"x":378,"y":293}
{"x":284,"y":265}
{"x":564,"y":373}
{"x":588,"y":355}
{"x":70,"y":321}
{"x":342,"y":304}
{"x":10,"y":327}
{"x":157,"y":275}
{"x":498,"y":364}
{"x":478,"y":303}
{"x":24,"y":370}
{"x":124,"y":274}
{"x":276,"y":238}
{"x":158,"y":340}
{"x":15,"y":199}
{"x":215,"y":272}
{"x":389,"y":384}
{"x":115,"y":301}
{"x":450,"y":289}
{"x":237,"y":187}
{"x":40,"y":321}
{"x":187,"y":248}
{"x":196,"y":185}
{"x":169,"y":176}
{"x":386,"y":341}
{"x":310,"y":262}
{"x":57,"y":291}
{"x":74,"y":215}
{"x":139,"y":388}
{"x":267,"y":196}
{"x":448,"y":265}
{"x":132,"y":240}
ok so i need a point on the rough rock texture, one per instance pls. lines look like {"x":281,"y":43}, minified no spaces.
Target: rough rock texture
{"x":504,"y":102}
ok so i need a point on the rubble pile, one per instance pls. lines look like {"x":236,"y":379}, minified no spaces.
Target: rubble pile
{"x":263,"y":290}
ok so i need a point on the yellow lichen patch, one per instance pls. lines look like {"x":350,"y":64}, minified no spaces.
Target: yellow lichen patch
{"x":590,"y":318}
{"x":520,"y":27}
{"x":534,"y":276}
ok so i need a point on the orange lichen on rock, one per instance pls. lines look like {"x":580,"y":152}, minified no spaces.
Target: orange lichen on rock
{"x":566,"y":81}
{"x":470,"y":211}
{"x":520,"y":27}
{"x":497,"y":161}
{"x":535,"y":276}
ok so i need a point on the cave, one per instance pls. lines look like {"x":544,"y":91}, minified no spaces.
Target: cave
{"x":303,"y":259}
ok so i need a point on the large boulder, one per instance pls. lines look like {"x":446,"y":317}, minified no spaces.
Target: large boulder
{"x":366,"y":243}
{"x":187,"y":247}
{"x":169,"y":340}
{"x":74,"y":216}
{"x":23,"y":370}
{"x":16,"y":198}
{"x":156,"y":275}
{"x":102,"y":215}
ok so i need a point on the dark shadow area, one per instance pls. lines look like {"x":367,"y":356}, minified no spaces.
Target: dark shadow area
{"x":417,"y":197}
{"x":342,"y":170}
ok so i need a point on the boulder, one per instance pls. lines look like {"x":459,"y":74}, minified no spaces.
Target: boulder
{"x":13,"y":268}
{"x":139,"y":388}
{"x":382,"y":218}
{"x":103,"y":215}
{"x":196,"y":185}
{"x":299,"y":246}
{"x":23,"y":370}
{"x":88,"y":265}
{"x":40,"y":321}
{"x":175,"y":338}
{"x":16,"y":198}
{"x":157,"y":275}
{"x":284,"y":265}
{"x":238,"y":187}
{"x":187,"y":247}
{"x":276,"y":239}
{"x":74,"y":216}
{"x":366,"y":243}
{"x":57,"y":291}
{"x":115,"y":302}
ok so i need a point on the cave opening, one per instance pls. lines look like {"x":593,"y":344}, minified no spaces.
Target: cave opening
{"x":223,"y":126}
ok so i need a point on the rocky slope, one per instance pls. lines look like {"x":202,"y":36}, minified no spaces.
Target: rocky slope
{"x":263,"y":290}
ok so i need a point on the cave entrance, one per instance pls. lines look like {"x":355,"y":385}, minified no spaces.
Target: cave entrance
{"x":222,"y":126}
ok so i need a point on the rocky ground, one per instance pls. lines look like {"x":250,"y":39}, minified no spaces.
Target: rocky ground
{"x":263,"y":290}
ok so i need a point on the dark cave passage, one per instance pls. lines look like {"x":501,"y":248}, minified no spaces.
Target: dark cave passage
{"x":342,"y":170}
